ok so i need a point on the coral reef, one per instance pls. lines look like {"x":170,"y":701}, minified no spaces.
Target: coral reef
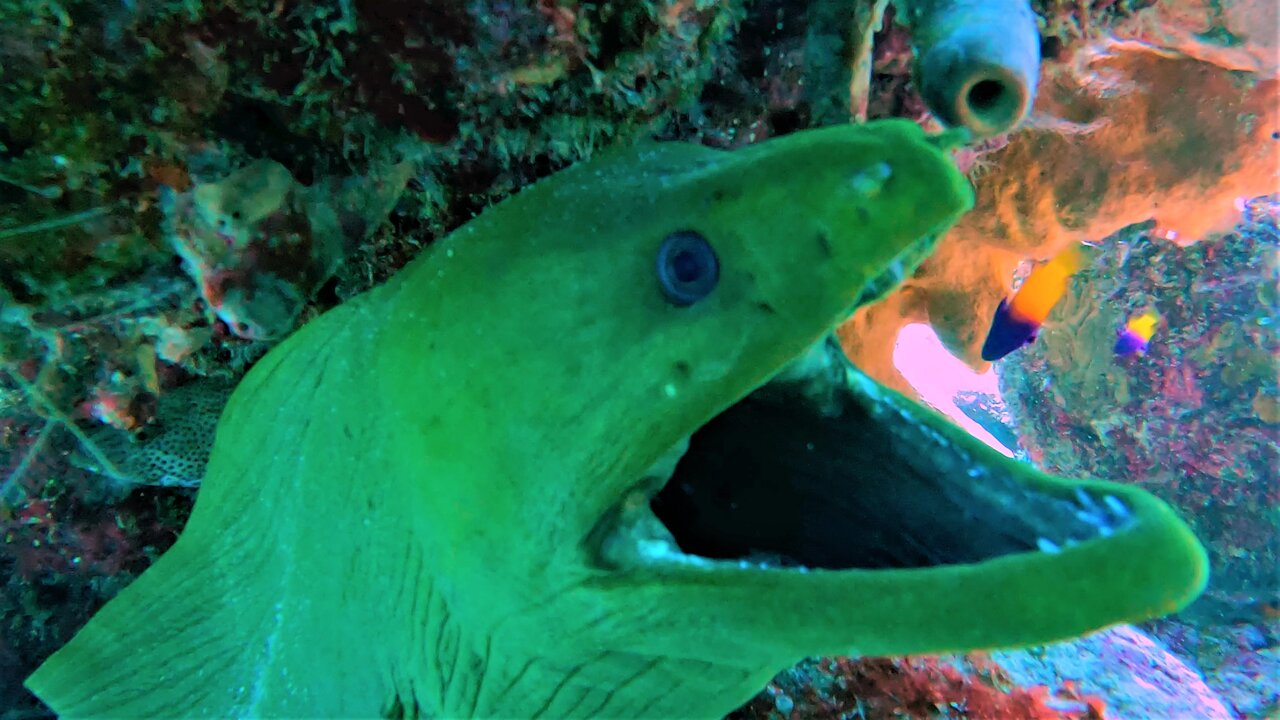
{"x":1233,"y":34}
{"x":915,"y":688}
{"x":1139,"y":676}
{"x":1194,"y":418}
{"x":66,"y":551}
{"x":992,"y":414}
{"x":1136,"y":676}
{"x":1241,"y":661}
{"x":1121,"y":133}
{"x":1117,"y":674}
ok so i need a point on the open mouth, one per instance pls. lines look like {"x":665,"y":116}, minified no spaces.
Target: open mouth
{"x":823,"y":469}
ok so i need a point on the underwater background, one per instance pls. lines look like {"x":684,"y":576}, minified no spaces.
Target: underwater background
{"x":183,"y":184}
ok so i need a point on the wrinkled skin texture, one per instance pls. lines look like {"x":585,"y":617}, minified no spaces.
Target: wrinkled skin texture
{"x":403,"y":509}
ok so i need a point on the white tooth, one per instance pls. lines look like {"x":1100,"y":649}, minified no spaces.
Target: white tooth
{"x":1091,"y":518}
{"x":1047,"y":545}
{"x":656,"y":549}
{"x":1116,"y":506}
{"x":895,"y":267}
{"x":1090,"y":505}
{"x":1083,"y":498}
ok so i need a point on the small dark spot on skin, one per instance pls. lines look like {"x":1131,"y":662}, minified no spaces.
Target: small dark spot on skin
{"x":346,"y":430}
{"x":682,"y":370}
{"x":1275,"y":135}
{"x":720,"y":195}
{"x":766,"y":308}
{"x":862,"y":213}
{"x":824,"y":243}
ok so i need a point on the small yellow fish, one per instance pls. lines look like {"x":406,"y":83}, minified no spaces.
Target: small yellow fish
{"x":1136,"y":334}
{"x":1017,"y":320}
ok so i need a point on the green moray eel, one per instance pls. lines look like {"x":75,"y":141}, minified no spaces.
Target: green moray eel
{"x":977,"y":61}
{"x":592,"y":455}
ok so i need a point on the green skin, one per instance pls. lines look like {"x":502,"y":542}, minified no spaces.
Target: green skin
{"x":404,"y":510}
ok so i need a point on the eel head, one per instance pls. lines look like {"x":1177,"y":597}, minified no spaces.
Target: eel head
{"x":671,"y":485}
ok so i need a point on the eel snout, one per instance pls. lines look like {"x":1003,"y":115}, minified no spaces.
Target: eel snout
{"x":977,"y":62}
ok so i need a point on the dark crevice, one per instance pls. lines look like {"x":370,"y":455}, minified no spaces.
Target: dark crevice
{"x":772,"y":480}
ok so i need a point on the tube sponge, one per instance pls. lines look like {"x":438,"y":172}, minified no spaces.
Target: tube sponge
{"x":977,"y":61}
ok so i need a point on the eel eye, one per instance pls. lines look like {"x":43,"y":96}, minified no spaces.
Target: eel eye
{"x":688,"y":269}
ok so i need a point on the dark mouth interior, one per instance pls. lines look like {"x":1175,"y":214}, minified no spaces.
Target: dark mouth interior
{"x":777,"y":481}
